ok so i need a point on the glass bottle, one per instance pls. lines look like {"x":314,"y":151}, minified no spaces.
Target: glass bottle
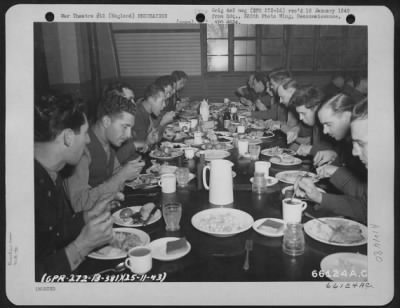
{"x":293,"y":239}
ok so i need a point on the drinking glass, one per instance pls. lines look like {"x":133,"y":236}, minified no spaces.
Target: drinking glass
{"x":293,"y":239}
{"x":182,"y":176}
{"x":254,"y":151}
{"x":172,"y":213}
{"x":259,"y":184}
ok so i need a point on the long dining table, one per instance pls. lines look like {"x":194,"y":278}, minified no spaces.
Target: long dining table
{"x":221,"y":259}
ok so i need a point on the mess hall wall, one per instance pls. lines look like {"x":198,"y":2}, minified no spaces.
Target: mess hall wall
{"x":80,"y":58}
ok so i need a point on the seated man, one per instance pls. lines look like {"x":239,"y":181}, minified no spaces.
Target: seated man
{"x":353,"y":203}
{"x":180,"y":79}
{"x":307,"y":100}
{"x":167,"y":83}
{"x":246,"y":93}
{"x":98,"y":171}
{"x":334,"y":87}
{"x":63,"y":238}
{"x":360,"y":89}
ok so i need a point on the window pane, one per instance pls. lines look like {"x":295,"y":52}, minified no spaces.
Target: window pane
{"x":217,"y":63}
{"x":243,"y":63}
{"x":217,"y":47}
{"x":301,"y":62}
{"x":217,"y":31}
{"x":245,"y":30}
{"x":270,"y":62}
{"x":272,"y":47}
{"x":272,"y":31}
{"x":332,"y":31}
{"x":245,"y":47}
{"x":302,"y":46}
{"x":330,"y":46}
{"x":302,"y":31}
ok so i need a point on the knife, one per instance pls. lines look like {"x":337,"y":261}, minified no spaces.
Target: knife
{"x":150,"y":215}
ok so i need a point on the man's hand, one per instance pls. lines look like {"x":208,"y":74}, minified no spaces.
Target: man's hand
{"x":310,"y":190}
{"x":304,"y":150}
{"x":324,"y":157}
{"x":167,"y":118}
{"x":131,"y":170}
{"x":326,"y":171}
{"x":291,"y":136}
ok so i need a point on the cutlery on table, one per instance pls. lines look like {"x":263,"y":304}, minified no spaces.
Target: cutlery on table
{"x":120,"y":267}
{"x":248,"y":248}
{"x":145,"y":222}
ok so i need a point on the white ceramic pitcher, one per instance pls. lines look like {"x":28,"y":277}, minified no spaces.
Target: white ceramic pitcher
{"x":221,"y":184}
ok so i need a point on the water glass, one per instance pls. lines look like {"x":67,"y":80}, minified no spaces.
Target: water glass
{"x":293,"y":239}
{"x":172,"y":213}
{"x":254,"y":151}
{"x":182,"y":176}
{"x":259,"y":185}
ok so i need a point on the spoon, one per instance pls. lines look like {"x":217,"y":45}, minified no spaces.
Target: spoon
{"x":120,"y":267}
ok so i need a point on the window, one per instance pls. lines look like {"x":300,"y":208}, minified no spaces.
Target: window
{"x":238,"y":48}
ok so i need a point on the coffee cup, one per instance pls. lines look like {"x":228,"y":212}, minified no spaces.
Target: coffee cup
{"x":292,"y":210}
{"x":139,"y":260}
{"x":241,"y":129}
{"x":243,"y":146}
{"x":262,"y":167}
{"x":167,"y":183}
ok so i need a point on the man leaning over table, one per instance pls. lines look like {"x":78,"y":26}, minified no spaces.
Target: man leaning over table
{"x":63,"y":238}
{"x":353,"y":203}
{"x":98,"y":171}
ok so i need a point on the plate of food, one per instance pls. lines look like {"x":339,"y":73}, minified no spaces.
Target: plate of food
{"x":287,"y":192}
{"x":285,"y":160}
{"x":158,"y":169}
{"x":345,"y":267}
{"x":166,"y":153}
{"x":339,"y":232}
{"x":123,"y":240}
{"x":214,"y":154}
{"x":272,"y":227}
{"x":223,"y":133}
{"x":276,"y":151}
{"x":135,"y":216}
{"x":291,"y":176}
{"x":222,"y":222}
{"x":169,"y":248}
{"x":270,"y":180}
{"x":144,"y":181}
{"x":216,"y":146}
{"x":173,"y":145}
{"x":260,"y":134}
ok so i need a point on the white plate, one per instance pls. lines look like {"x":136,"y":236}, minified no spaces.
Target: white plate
{"x":174,"y":154}
{"x":277,"y":161}
{"x":222,"y":222}
{"x":291,"y":176}
{"x":322,"y":233}
{"x":214,"y":154}
{"x":291,"y":188}
{"x":129,"y":223}
{"x":270,"y":135}
{"x":270,"y":180}
{"x":111,"y":253}
{"x":258,"y":222}
{"x":157,"y":169}
{"x":159,"y":249}
{"x":277,"y":151}
{"x":345,"y":266}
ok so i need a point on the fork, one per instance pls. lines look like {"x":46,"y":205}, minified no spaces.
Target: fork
{"x":248,"y":247}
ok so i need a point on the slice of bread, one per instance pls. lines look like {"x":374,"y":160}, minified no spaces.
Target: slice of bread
{"x":176,"y":246}
{"x":271,"y":226}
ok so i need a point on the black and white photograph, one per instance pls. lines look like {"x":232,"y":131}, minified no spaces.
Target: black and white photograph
{"x":206,"y":154}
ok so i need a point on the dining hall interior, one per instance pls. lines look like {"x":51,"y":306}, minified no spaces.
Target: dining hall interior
{"x":252,"y":166}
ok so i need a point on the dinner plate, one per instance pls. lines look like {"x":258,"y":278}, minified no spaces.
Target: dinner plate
{"x":138,"y":238}
{"x":291,"y":176}
{"x":294,"y":161}
{"x":173,"y":154}
{"x":214,"y":154}
{"x":173,"y":145}
{"x":264,"y":135}
{"x":270,"y":180}
{"x":264,"y":232}
{"x":287,"y":188}
{"x":345,"y":266}
{"x":144,"y":181}
{"x":157,"y":169}
{"x":222,"y":222}
{"x":277,"y":151}
{"x":223,"y":133}
{"x":159,"y":249}
{"x":129,"y":223}
{"x":323,"y":233}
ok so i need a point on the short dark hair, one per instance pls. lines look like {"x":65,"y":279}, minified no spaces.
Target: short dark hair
{"x":307,"y":96}
{"x":288,"y":83}
{"x":53,"y":114}
{"x":279,"y":74}
{"x":113,"y":104}
{"x":116,"y":86}
{"x":339,"y":103}
{"x":153,"y":90}
{"x":178,"y":75}
{"x":164,"y":81}
{"x":360,"y":110}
